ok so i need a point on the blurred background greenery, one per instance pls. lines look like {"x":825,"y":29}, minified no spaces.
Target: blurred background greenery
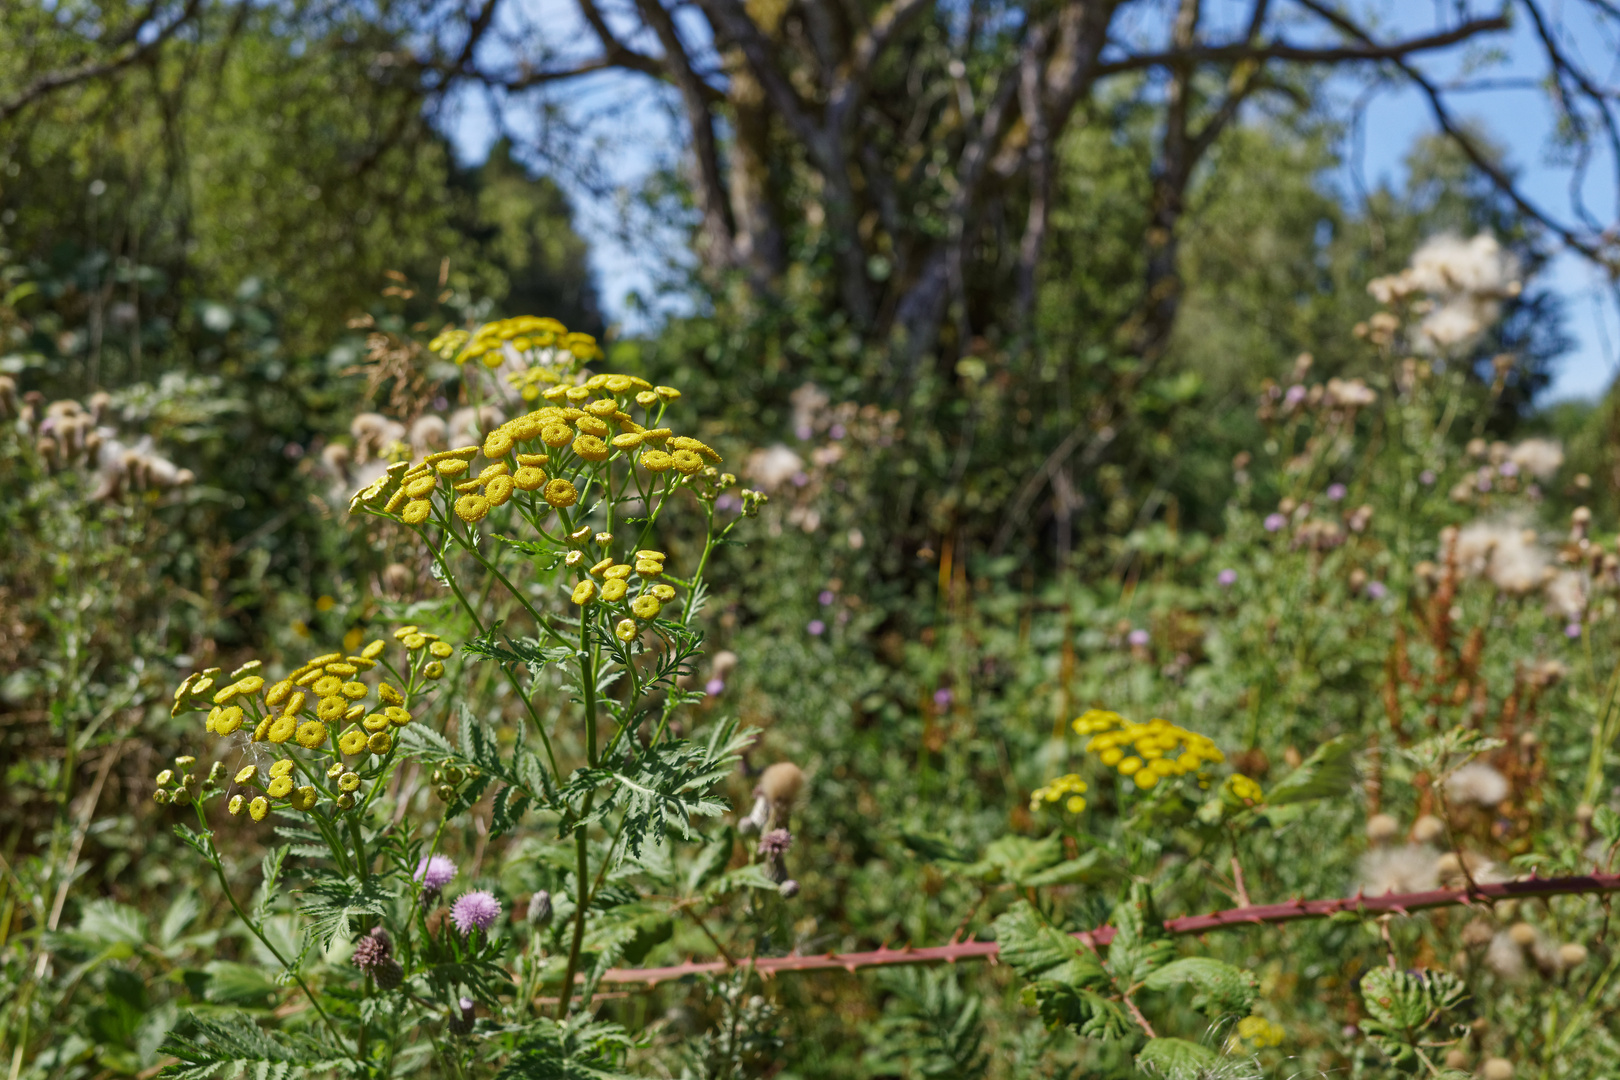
{"x":1006,"y":407}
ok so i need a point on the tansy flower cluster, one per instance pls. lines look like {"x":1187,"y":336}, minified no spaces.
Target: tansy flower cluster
{"x":325,"y":694}
{"x":1256,"y":1032}
{"x":547,"y":459}
{"x":1068,"y":788}
{"x":523,"y":334}
{"x":1146,"y":752}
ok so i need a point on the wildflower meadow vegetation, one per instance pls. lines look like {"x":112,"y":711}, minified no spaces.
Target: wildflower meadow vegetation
{"x":1138,"y":617}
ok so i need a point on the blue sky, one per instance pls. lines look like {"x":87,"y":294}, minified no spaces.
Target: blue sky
{"x":638,"y":135}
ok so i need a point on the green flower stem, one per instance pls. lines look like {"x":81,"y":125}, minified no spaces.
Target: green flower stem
{"x":511,"y":677}
{"x":225,"y":885}
{"x":582,"y":870}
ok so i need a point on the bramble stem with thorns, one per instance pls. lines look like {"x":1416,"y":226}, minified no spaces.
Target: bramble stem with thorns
{"x":1254,"y":914}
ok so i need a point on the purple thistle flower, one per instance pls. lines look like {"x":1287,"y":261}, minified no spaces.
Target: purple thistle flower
{"x":774,"y":844}
{"x":1572,"y":631}
{"x":435,"y":873}
{"x":714,"y":687}
{"x":836,"y":431}
{"x":1335,"y":492}
{"x":1377,"y":590}
{"x":1139,"y":638}
{"x":1295,"y":395}
{"x":826,"y":597}
{"x":1226,"y":578}
{"x":816,"y":628}
{"x":943,"y":697}
{"x":476,"y":910}
{"x":1508,"y":468}
{"x":1275,"y":521}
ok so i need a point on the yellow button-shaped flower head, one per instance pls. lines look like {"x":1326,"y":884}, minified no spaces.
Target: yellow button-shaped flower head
{"x":374,"y":650}
{"x":614,"y":589}
{"x":434,"y":670}
{"x":620,"y":571}
{"x":656,"y":461}
{"x":529,"y":478}
{"x":397,"y":716}
{"x":282,"y":728}
{"x":646,"y":606}
{"x":304,"y":798}
{"x":282,"y":767}
{"x":348,"y":781}
{"x":295,"y":702}
{"x":499,"y":490}
{"x":450,"y":466}
{"x":258,"y":808}
{"x":235,"y":805}
{"x":649,"y":568}
{"x":416,"y":511}
{"x":686,"y":462}
{"x":592,"y":425}
{"x":646,"y":399}
{"x":497,"y":444}
{"x":441,"y":649}
{"x":246,"y":774}
{"x":388,"y":695}
{"x":230,"y":718}
{"x":414,"y":641}
{"x":351,"y":742}
{"x":279,"y":693}
{"x":381,"y":742}
{"x":584,"y":592}
{"x":1130,"y":766}
{"x":250,"y":684}
{"x":1146,"y":778}
{"x":561,"y":494}
{"x":591,"y":448}
{"x":327,"y":685}
{"x":375,"y":722}
{"x":472,"y":508}
{"x":625,"y":631}
{"x":332,"y":708}
{"x":279,"y":786}
{"x":556,"y":434}
{"x":666,"y":593}
{"x":421,"y":487}
{"x":311,"y":734}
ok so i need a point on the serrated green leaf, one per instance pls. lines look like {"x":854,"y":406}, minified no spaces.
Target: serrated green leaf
{"x":1140,"y":945}
{"x":1086,"y":1011}
{"x":1015,"y":859}
{"x":1037,"y":950}
{"x":1223,"y":990}
{"x":1177,"y":1059}
{"x":230,"y":1045}
{"x":1327,"y":773}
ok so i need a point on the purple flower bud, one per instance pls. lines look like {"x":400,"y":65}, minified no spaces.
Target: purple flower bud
{"x":475,"y":910}
{"x":714,"y":687}
{"x":1295,"y":395}
{"x":540,"y":908}
{"x":775,"y":843}
{"x":826,"y":597}
{"x":789,"y":889}
{"x":816,"y":628}
{"x":435,"y":872}
{"x":1275,"y":521}
{"x":1572,"y":631}
{"x":1139,"y":638}
{"x":1226,"y":578}
{"x":463,"y":1024}
{"x":1335,"y":492}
